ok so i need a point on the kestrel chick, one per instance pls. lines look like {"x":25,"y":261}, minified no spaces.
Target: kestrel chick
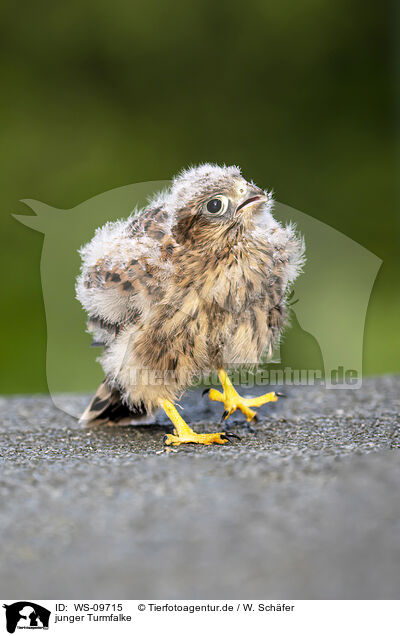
{"x":195,"y":281}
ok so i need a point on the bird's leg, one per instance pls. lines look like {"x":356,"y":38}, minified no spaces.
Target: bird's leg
{"x":183,"y":434}
{"x":232,"y":400}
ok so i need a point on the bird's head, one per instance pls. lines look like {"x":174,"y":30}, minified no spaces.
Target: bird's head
{"x":211,"y":203}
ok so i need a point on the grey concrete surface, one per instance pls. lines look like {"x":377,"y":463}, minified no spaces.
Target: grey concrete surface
{"x":306,"y":507}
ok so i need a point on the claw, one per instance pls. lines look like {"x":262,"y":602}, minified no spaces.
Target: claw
{"x":228,"y":434}
{"x":280,"y":394}
{"x":224,"y":416}
{"x":205,"y":392}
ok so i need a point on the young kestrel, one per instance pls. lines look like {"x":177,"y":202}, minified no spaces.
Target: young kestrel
{"x":195,"y":281}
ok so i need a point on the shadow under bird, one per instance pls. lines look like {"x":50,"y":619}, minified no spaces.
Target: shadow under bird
{"x":196,"y":281}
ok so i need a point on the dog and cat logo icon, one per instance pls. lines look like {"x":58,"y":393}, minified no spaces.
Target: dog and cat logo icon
{"x":26,"y":615}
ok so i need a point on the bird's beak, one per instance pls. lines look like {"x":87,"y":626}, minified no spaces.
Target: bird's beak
{"x":254,"y":197}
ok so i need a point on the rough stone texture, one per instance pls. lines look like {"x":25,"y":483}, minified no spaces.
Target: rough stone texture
{"x":306,"y":507}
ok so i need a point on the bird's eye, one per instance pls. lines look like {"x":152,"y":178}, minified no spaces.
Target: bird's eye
{"x":217,"y":205}
{"x":214,"y":205}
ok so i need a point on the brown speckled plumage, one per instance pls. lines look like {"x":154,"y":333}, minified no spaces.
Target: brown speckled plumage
{"x":178,"y":290}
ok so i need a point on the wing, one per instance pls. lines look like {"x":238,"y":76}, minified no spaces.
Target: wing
{"x":125,"y":268}
{"x":287,"y":259}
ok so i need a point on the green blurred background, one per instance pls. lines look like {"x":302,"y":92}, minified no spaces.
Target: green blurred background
{"x":97,"y":95}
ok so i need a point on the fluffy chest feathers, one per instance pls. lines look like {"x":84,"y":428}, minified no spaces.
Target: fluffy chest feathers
{"x":232,"y":278}
{"x":216,"y":309}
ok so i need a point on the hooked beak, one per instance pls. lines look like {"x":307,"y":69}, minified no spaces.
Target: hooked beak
{"x":254,"y":197}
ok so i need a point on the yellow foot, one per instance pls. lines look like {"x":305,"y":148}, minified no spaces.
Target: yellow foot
{"x":183,"y":434}
{"x":233,"y":401}
{"x":205,"y":438}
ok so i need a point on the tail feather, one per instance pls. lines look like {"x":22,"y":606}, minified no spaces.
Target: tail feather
{"x":107,"y":406}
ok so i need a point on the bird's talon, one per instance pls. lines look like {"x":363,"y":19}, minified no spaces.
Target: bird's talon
{"x":233,"y":401}
{"x":205,"y":392}
{"x":185,"y":435}
{"x":228,"y":435}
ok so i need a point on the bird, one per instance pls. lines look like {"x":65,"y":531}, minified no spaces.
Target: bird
{"x":194,"y":282}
